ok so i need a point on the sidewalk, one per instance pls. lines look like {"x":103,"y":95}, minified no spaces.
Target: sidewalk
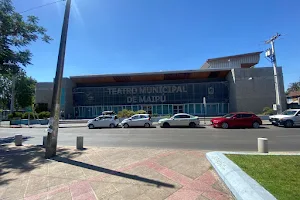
{"x":108,"y":173}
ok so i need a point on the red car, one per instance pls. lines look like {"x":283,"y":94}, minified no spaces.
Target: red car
{"x":240,"y":119}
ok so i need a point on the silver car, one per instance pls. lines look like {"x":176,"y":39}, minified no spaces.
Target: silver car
{"x":143,"y":120}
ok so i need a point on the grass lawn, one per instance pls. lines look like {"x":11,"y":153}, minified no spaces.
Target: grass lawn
{"x":280,"y":175}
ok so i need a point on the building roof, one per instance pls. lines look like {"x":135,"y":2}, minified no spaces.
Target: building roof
{"x":294,"y":94}
{"x":234,"y":56}
{"x":150,"y":76}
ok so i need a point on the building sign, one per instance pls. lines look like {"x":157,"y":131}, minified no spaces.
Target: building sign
{"x":144,"y":94}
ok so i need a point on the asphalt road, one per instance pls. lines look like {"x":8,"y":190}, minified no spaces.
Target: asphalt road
{"x":205,"y":138}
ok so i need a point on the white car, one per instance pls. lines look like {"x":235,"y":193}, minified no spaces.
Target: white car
{"x":288,"y":118}
{"x":110,"y":121}
{"x":180,"y":119}
{"x":137,"y":120}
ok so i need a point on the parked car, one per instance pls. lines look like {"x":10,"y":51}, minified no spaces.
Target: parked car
{"x":180,"y":119}
{"x":240,"y":119}
{"x":137,"y":120}
{"x":110,"y":121}
{"x":288,"y":118}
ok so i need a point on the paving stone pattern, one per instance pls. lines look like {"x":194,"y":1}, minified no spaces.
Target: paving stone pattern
{"x":108,"y":173}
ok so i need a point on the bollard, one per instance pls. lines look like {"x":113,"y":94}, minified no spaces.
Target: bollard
{"x":18,"y":140}
{"x":44,"y":141}
{"x":79,"y":144}
{"x":262,"y":145}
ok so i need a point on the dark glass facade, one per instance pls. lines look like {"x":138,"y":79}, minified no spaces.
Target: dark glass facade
{"x":168,"y":98}
{"x":215,"y":92}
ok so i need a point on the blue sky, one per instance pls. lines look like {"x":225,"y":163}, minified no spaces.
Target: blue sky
{"x":118,"y":36}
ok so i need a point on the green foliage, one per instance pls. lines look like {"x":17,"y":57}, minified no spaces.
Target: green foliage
{"x":128,"y":113}
{"x":10,"y":116}
{"x":16,"y":33}
{"x":44,"y":115}
{"x":15,"y":115}
{"x":25,"y":91}
{"x":278,"y":174}
{"x":141,"y":112}
{"x":293,"y":87}
{"x":25,"y":115}
{"x":268,"y":111}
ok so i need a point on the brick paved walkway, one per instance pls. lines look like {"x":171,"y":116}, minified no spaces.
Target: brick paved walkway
{"x":108,"y":173}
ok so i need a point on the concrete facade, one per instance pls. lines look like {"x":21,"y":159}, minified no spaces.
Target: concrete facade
{"x":252,"y":89}
{"x":44,"y":91}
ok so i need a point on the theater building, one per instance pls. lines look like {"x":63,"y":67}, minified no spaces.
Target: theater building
{"x":229,"y":84}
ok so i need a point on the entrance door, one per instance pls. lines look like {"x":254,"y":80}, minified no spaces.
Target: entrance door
{"x":177,"y":109}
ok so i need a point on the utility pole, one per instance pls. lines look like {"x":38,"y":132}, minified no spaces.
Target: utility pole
{"x":271,"y":54}
{"x":55,"y":105}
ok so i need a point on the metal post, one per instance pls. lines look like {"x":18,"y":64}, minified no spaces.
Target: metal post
{"x":55,"y":105}
{"x":278,"y":102}
{"x":272,"y":56}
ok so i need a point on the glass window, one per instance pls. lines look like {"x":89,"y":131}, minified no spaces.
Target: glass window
{"x":165,"y":109}
{"x":154,"y":110}
{"x":246,"y":115}
{"x":128,"y":107}
{"x":159,"y":110}
{"x":135,"y":117}
{"x":184,"y":116}
{"x":197,"y":108}
{"x":191,"y":109}
{"x":238,"y":116}
{"x":135,"y":108}
{"x":176,"y":116}
{"x":289,"y":112}
{"x":228,"y":115}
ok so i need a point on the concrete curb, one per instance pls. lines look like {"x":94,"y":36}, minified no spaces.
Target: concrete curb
{"x":242,"y":186}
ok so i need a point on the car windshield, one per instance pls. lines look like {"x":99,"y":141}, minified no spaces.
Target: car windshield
{"x":289,"y":112}
{"x":228,"y":115}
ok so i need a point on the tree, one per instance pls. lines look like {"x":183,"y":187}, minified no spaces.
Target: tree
{"x":15,"y":34}
{"x":294,"y":87}
{"x":25,"y":91}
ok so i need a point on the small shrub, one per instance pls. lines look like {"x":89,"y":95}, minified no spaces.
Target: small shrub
{"x":44,"y":115}
{"x":10,"y":116}
{"x":268,"y":111}
{"x":141,"y":112}
{"x":25,"y":115}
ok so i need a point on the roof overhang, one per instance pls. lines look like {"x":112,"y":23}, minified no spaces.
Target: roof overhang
{"x":150,"y":76}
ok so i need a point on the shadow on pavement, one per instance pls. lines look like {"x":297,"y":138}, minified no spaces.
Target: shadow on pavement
{"x":111,"y":172}
{"x":8,"y":140}
{"x":23,"y":159}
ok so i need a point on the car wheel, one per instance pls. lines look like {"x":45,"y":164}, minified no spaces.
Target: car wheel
{"x":147,"y":125}
{"x":126,"y":125}
{"x":288,"y":124}
{"x":166,"y":125}
{"x":255,"y":125}
{"x":225,"y":125}
{"x":192,"y":125}
{"x":112,"y":125}
{"x":91,"y":126}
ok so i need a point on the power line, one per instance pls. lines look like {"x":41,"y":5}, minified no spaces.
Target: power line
{"x":47,"y":4}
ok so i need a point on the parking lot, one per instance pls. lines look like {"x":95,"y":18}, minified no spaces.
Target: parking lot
{"x":205,"y":137}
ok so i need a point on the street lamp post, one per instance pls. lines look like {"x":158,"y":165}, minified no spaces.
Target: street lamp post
{"x":55,"y":105}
